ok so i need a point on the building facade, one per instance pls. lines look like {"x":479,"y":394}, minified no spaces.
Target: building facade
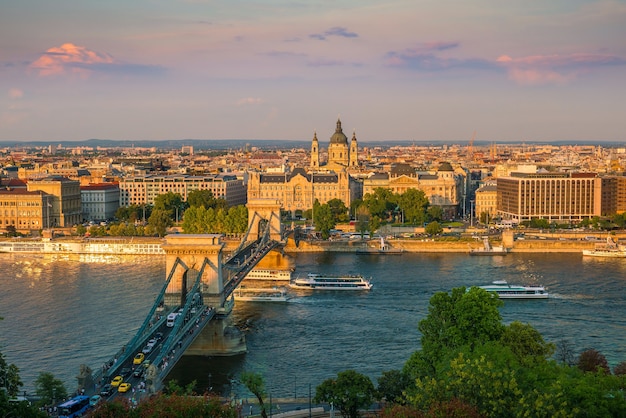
{"x":66,"y":210}
{"x":24,"y":211}
{"x":298,"y":190}
{"x":100,"y":201}
{"x":486,"y":200}
{"x":141,"y":190}
{"x":553,"y":196}
{"x":443,"y":187}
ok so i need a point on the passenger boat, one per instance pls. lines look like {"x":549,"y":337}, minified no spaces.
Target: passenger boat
{"x":274,"y":294}
{"x":267,"y":274}
{"x":314,"y":281}
{"x":508,"y":291}
{"x":488,"y":249}
{"x":609,"y":249}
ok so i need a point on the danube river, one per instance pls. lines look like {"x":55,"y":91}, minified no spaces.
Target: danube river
{"x":59,"y":313}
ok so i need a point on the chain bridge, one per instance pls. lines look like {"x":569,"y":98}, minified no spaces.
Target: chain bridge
{"x":197,"y":291}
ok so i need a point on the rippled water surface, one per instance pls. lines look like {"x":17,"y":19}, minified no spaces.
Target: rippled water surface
{"x":59,"y":313}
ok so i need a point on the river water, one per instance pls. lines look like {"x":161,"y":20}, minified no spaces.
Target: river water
{"x":60,"y":313}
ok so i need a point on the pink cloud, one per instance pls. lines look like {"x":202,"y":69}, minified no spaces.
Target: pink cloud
{"x":554,"y":69}
{"x":69,"y":59}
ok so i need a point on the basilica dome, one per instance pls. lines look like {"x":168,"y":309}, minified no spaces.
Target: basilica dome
{"x":339,"y":137}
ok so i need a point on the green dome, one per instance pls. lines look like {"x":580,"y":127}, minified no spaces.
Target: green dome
{"x":339,"y":137}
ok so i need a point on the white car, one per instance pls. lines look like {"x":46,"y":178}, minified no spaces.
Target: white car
{"x":147,"y":349}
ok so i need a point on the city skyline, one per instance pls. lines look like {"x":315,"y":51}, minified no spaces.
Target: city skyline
{"x":396,"y":70}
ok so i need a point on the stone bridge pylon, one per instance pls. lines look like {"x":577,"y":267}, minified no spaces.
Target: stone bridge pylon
{"x":261,"y":212}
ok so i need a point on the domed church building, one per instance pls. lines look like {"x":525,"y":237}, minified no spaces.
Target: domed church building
{"x":341,"y":155}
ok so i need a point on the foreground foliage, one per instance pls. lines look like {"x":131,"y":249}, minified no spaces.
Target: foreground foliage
{"x":469,"y":359}
{"x":170,"y":406}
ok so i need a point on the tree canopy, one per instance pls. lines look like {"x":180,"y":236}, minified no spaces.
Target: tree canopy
{"x":349,"y":392}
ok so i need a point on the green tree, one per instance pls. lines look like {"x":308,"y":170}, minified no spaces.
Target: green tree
{"x":159,"y":221}
{"x":349,"y":392}
{"x":461,"y":318}
{"x":380,"y":203}
{"x":49,"y":389}
{"x":539,"y":223}
{"x":434,"y":213}
{"x":373,"y":224}
{"x":338,"y":210}
{"x":526,"y":342}
{"x":9,"y":377}
{"x":169,"y":203}
{"x":204,"y":198}
{"x":362,"y":220}
{"x":391,"y":386}
{"x":413,"y":204}
{"x":324,"y":220}
{"x":81,"y":230}
{"x":433,"y":228}
{"x":255,"y":384}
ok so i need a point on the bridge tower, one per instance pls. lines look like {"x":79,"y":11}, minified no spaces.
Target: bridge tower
{"x":193,"y":250}
{"x":261,"y":211}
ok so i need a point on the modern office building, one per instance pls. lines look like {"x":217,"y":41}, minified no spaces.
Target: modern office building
{"x":561,"y":197}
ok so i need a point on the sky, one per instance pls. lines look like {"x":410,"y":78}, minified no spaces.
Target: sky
{"x":417,"y":70}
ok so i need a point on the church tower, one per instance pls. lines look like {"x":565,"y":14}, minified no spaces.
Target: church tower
{"x":354,"y":161}
{"x":315,"y":152}
{"x":338,"y":149}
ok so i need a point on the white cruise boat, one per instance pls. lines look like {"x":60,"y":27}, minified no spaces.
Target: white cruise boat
{"x":267,"y":274}
{"x":609,"y":249}
{"x":314,"y":281}
{"x":509,"y":291}
{"x":263,"y":294}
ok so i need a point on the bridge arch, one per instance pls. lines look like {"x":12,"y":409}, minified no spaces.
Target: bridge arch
{"x":260,"y":213}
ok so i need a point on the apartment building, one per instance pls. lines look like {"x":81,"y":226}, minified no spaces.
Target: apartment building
{"x":100,"y":201}
{"x":25,"y":211}
{"x":140,"y":190}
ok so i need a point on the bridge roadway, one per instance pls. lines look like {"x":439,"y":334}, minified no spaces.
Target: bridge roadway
{"x":169,"y":341}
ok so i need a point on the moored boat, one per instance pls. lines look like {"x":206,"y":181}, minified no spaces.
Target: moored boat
{"x":509,"y":291}
{"x":609,"y":249}
{"x":274,"y":294}
{"x":269,"y":274}
{"x":314,"y":281}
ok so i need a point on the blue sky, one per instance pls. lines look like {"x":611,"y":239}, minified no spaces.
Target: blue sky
{"x":421,"y":70}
